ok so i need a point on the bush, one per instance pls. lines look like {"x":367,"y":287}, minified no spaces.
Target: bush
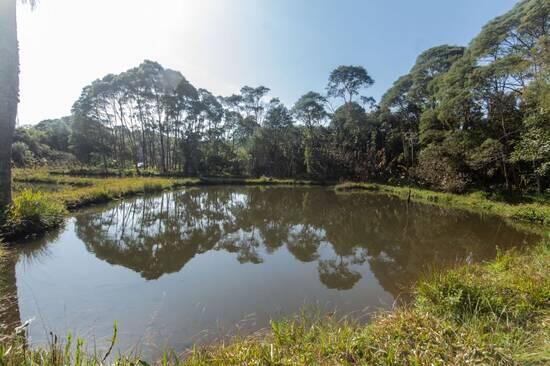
{"x":22,"y":156}
{"x":531,"y":214}
{"x":439,"y":171}
{"x":32,"y":213}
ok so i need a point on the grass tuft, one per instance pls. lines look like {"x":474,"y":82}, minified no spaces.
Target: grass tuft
{"x":31,"y":213}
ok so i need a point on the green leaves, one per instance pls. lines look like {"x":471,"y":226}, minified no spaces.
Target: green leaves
{"x":346,"y":81}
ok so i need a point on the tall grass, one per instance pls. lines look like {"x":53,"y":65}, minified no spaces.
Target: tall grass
{"x":32,"y":212}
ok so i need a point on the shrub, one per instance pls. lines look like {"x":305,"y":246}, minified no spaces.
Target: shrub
{"x":32,"y":213}
{"x":531,"y":214}
{"x":438,"y":170}
{"x":22,"y":155}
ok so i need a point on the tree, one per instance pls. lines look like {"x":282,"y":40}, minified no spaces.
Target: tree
{"x":9,"y":93}
{"x":412,"y":94}
{"x":485,"y":90}
{"x":474,"y":117}
{"x":346,"y":81}
{"x":310,"y":109}
{"x":252,"y":100}
{"x":56,"y":132}
{"x":275,"y":150}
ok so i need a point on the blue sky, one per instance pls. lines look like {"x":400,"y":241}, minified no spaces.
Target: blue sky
{"x":289,"y":46}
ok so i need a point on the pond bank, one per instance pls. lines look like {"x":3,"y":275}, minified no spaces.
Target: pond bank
{"x":496,"y":313}
{"x":536,"y":211}
{"x":34,"y":214}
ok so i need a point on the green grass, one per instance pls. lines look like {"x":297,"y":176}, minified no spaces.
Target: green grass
{"x":497,"y":313}
{"x":537,"y":211}
{"x":32,"y":213}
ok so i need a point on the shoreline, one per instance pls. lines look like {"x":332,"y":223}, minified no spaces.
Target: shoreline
{"x":78,"y":192}
{"x":496,"y":312}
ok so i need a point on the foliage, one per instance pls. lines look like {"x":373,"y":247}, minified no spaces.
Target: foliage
{"x":21,"y":155}
{"x":32,"y":213}
{"x":462,"y":118}
{"x":512,"y":288}
{"x":346,"y":81}
{"x":47,"y":143}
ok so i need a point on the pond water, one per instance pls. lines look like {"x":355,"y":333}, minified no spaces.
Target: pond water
{"x":201,"y":264}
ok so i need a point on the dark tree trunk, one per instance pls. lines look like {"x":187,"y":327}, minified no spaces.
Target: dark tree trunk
{"x":9,"y":93}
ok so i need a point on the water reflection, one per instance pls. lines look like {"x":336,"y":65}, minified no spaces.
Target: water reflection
{"x":158,"y":235}
{"x":10,"y":318}
{"x":9,"y":305}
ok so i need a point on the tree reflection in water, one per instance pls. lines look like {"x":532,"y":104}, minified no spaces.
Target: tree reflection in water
{"x":10,"y":318}
{"x":158,"y":235}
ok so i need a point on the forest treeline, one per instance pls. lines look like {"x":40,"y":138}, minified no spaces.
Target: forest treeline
{"x":462,"y":118}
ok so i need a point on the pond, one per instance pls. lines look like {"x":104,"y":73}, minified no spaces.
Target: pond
{"x":202,"y":264}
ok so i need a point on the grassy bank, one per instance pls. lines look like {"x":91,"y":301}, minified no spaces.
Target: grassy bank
{"x":496,"y":313}
{"x":34,"y":212}
{"x":532,"y":209}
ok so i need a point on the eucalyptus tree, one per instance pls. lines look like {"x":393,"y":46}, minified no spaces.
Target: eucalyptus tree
{"x":412,"y":94}
{"x":310,"y":110}
{"x":347,"y":81}
{"x":485,"y":89}
{"x":273,"y":146}
{"x":459,"y":117}
{"x":145,"y":111}
{"x":181,"y":111}
{"x":350,"y":140}
{"x":252,"y":99}
{"x":532,"y":150}
{"x":506,"y":51}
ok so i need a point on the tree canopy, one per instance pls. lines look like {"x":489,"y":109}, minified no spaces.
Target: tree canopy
{"x":461,"y":118}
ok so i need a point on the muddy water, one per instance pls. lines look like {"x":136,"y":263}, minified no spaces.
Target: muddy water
{"x":204,"y":263}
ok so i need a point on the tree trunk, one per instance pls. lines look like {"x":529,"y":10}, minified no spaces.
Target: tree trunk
{"x":9,"y":93}
{"x":537,"y":177}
